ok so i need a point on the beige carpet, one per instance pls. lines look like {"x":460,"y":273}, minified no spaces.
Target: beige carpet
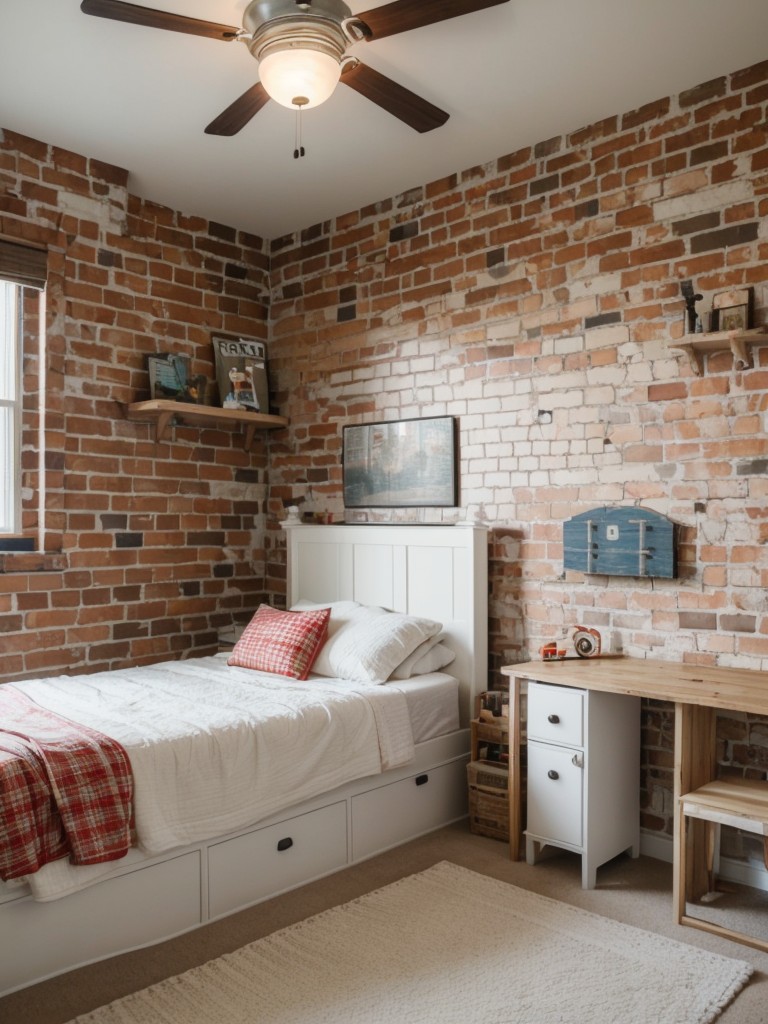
{"x":446,"y":946}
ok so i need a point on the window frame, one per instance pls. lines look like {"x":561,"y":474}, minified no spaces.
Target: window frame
{"x":25,"y":267}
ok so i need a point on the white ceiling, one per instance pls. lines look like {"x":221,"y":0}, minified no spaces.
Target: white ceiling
{"x":509,"y":76}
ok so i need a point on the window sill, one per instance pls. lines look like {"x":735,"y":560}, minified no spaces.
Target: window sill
{"x":33,"y":561}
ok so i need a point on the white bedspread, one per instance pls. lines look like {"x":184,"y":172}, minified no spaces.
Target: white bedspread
{"x":215,"y":748}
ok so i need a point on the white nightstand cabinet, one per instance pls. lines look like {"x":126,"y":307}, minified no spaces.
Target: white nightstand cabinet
{"x":583,"y":775}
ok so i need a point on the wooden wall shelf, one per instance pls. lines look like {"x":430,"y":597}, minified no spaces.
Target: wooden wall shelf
{"x":163,"y":412}
{"x":696,"y":346}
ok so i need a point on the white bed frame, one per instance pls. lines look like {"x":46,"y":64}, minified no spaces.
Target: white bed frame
{"x":439,"y":572}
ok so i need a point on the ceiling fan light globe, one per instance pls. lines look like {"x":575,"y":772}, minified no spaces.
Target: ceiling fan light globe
{"x":292,"y":74}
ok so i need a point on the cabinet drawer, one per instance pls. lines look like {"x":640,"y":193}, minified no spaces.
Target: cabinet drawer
{"x":555,"y":714}
{"x":118,"y":913}
{"x":555,"y":789}
{"x":269,"y":860}
{"x":403,"y":810}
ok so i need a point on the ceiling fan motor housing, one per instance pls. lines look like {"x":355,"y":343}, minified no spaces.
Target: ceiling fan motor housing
{"x":276,"y":25}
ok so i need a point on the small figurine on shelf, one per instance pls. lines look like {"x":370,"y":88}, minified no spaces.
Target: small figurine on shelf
{"x":691,"y":298}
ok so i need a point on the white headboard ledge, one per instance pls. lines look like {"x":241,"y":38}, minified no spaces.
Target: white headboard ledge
{"x":437,"y":572}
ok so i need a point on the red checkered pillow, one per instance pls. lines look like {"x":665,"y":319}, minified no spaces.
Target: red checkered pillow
{"x":285,"y":643}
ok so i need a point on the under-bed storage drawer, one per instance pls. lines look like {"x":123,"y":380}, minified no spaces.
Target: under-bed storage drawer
{"x":117,"y":914}
{"x":269,"y":860}
{"x":391,"y":814}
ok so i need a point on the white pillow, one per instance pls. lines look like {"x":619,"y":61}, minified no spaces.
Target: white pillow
{"x":430,"y":656}
{"x":367,"y":644}
{"x":340,"y":612}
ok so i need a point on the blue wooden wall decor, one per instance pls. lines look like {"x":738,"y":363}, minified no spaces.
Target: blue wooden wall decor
{"x":620,"y":541}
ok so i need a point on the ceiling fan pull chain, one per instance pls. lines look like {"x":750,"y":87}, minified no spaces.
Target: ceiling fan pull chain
{"x":298,"y":148}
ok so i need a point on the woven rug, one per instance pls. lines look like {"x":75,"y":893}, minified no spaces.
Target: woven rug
{"x":446,"y":946}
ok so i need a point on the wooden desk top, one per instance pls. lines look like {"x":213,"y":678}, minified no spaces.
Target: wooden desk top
{"x":734,"y":688}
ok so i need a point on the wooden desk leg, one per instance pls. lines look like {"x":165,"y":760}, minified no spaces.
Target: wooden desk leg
{"x":695,"y":762}
{"x":515,"y":789}
{"x":711,"y":833}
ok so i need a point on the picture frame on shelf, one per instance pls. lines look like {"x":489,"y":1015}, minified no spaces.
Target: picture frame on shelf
{"x":401,"y":463}
{"x":732,"y":310}
{"x":170,"y":377}
{"x":733,"y":318}
{"x":241,"y":372}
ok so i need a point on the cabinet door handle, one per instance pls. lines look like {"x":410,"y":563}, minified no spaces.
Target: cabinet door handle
{"x":421,"y":780}
{"x":552,"y":774}
{"x":284,"y":844}
{"x":553,"y":719}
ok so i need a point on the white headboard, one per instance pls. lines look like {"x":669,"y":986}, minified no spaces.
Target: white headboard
{"x":437,"y":572}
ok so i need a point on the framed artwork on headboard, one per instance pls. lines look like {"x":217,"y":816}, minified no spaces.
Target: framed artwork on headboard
{"x":401,"y":463}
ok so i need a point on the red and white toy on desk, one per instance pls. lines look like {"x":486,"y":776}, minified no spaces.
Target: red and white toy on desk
{"x":586,"y":644}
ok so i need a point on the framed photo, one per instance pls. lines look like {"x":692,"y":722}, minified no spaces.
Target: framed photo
{"x":170,"y":377}
{"x":401,"y":463}
{"x":732,"y":310}
{"x":733,"y":318}
{"x":241,"y":373}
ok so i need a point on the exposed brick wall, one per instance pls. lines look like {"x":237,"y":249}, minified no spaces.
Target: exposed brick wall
{"x":149,"y":547}
{"x":549,"y":280}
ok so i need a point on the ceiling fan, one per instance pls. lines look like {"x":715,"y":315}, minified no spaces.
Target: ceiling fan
{"x":302,"y":48}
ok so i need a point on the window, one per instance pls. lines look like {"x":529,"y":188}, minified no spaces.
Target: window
{"x":10,"y":407}
{"x":22,"y":333}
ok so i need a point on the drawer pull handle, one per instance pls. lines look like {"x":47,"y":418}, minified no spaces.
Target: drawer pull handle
{"x":421,"y":780}
{"x":553,"y":719}
{"x":552,"y":774}
{"x":284,"y":844}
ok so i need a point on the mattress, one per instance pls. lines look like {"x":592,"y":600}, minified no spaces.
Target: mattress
{"x":433,"y":704}
{"x":321,"y":734}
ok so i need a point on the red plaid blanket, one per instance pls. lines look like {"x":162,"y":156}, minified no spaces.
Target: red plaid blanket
{"x":65,"y":789}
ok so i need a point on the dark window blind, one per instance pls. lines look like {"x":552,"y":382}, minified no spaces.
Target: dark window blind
{"x":23,"y":265}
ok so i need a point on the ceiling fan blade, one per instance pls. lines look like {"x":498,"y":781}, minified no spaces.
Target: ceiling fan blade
{"x":116,"y":10}
{"x":396,"y":99}
{"x":404,"y":15}
{"x":238,"y":114}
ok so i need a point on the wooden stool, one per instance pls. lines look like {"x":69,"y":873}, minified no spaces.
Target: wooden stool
{"x":741,"y":803}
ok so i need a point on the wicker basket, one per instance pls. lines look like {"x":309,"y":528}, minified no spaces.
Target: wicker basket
{"x":488,"y":799}
{"x":488,"y":775}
